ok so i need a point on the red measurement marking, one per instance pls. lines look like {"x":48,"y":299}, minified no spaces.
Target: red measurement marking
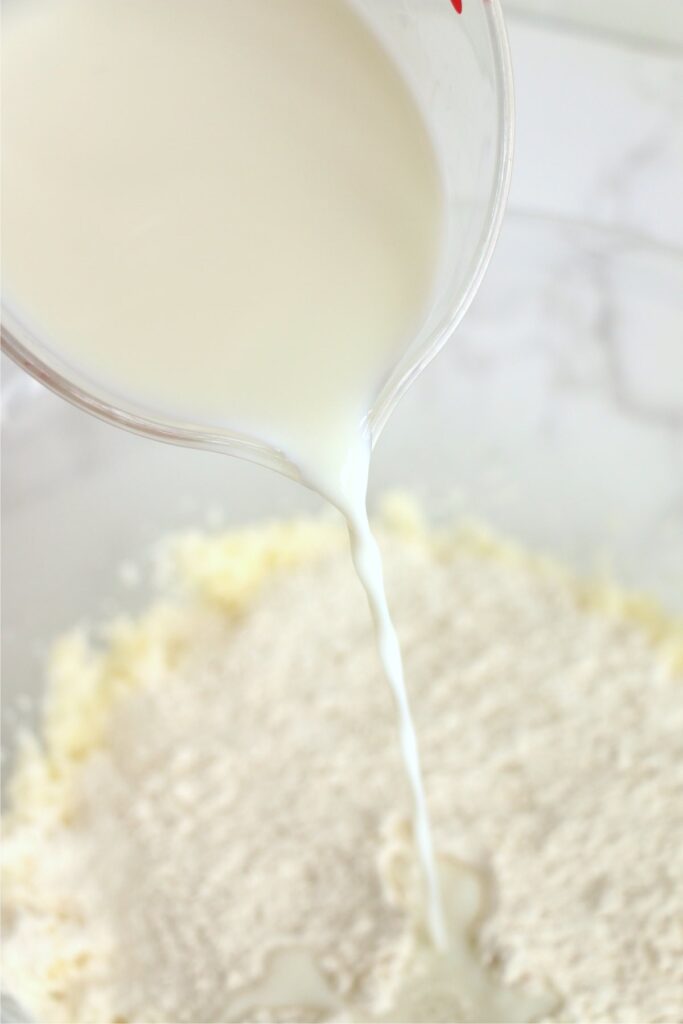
{"x":458,"y":5}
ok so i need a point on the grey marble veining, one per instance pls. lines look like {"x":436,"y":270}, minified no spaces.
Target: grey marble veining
{"x":557,"y":410}
{"x":599,"y":131}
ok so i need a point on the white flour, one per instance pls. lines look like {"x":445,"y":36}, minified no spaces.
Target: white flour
{"x":225,"y":782}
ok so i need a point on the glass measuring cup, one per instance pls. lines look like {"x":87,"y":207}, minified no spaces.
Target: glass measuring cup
{"x":454,"y":56}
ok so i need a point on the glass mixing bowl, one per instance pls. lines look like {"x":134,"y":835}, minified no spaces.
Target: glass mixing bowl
{"x":555,"y":416}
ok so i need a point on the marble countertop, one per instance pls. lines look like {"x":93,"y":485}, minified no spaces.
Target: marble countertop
{"x":599,"y":127}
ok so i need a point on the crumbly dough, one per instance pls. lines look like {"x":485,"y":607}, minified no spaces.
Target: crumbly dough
{"x":220,"y":779}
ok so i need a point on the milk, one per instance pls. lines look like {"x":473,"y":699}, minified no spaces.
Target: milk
{"x":230,"y":212}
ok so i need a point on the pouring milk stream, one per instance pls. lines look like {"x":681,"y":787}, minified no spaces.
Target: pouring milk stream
{"x":231,"y":211}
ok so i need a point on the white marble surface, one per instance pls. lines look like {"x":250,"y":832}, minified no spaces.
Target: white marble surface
{"x":654,"y":22}
{"x":556,"y":413}
{"x":599,"y":129}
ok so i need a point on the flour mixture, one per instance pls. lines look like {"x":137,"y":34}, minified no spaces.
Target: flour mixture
{"x":216,"y":817}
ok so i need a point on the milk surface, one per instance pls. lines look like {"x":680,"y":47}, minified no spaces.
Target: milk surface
{"x":230,"y":210}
